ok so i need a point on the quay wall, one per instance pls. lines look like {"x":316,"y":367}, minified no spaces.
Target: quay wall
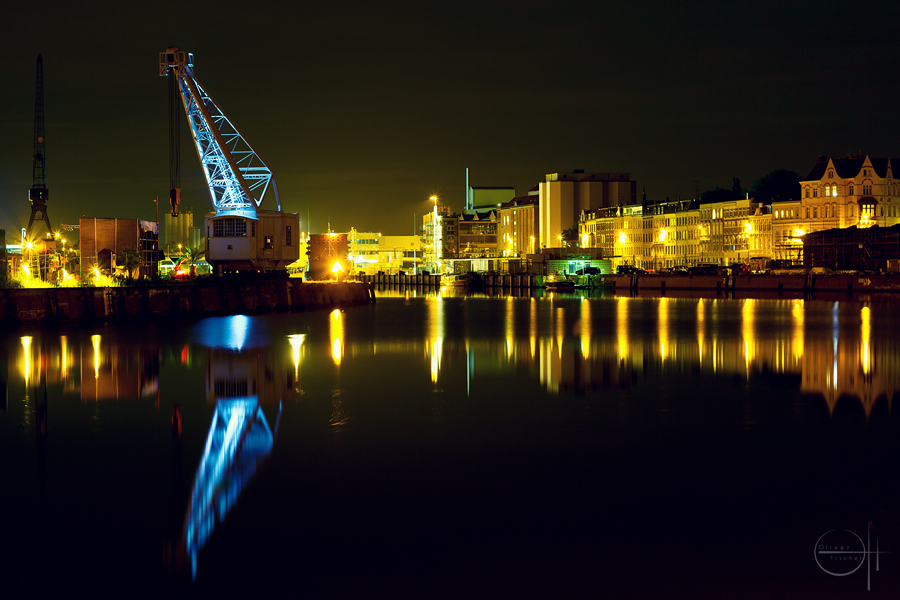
{"x":801,"y":282}
{"x":64,"y":305}
{"x":756,"y":283}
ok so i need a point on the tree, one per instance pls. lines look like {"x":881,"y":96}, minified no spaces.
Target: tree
{"x":131,"y":260}
{"x":779,"y":184}
{"x":736,"y":188}
{"x":570,"y":235}
{"x":717,"y":195}
{"x":192,"y":255}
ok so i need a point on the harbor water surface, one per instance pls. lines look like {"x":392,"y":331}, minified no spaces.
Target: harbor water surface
{"x":461,"y":446}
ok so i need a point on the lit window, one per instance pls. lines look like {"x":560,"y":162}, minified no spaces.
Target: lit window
{"x":229,"y":227}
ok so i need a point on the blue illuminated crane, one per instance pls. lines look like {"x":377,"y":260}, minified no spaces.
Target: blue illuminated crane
{"x":237,"y":177}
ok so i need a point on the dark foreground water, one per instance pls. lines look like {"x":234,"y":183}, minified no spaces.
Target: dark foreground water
{"x":460,"y":447}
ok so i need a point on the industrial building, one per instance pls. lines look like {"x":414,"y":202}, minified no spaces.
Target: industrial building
{"x":103,"y":243}
{"x":565,"y":196}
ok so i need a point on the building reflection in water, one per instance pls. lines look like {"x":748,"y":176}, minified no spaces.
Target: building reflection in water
{"x":95,"y":366}
{"x":586,"y":344}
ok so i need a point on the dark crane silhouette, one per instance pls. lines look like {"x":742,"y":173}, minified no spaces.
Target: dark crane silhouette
{"x":39,"y":194}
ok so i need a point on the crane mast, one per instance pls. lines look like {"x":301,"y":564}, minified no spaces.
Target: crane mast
{"x":240,"y":235}
{"x":39,"y":194}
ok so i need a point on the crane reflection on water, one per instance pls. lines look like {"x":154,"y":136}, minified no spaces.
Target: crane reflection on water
{"x":240,"y":437}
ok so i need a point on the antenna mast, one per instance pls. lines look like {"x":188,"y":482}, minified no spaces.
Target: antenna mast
{"x":39,"y":194}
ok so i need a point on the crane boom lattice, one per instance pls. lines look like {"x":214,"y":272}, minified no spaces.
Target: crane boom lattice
{"x":237,"y":177}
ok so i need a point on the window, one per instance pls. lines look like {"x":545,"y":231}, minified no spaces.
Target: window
{"x":230,"y":227}
{"x":815,"y":192}
{"x":851,"y":189}
{"x":816,"y":212}
{"x":867,"y":190}
{"x":807,"y":212}
{"x":287,"y":235}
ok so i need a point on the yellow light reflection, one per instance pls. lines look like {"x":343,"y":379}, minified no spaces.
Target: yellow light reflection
{"x":747,"y":314}
{"x":436,"y":349}
{"x":663,"y":322}
{"x":95,"y":342}
{"x":532,"y":327}
{"x":866,"y":333}
{"x":26,"y":358}
{"x":797,"y":343}
{"x":585,"y":327}
{"x":296,"y":342}
{"x":560,"y":329}
{"x":701,"y":328}
{"x":435,"y":335}
{"x":510,"y":319}
{"x":64,"y":356}
{"x":622,"y":326}
{"x":336,"y":330}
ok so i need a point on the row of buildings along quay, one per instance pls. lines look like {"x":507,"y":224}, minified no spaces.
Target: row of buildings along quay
{"x":840,"y":217}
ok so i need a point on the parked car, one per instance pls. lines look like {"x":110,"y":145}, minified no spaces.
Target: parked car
{"x":706,"y":269}
{"x":629,"y":270}
{"x":588,"y":271}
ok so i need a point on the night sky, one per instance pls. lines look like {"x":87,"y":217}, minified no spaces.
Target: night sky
{"x":363,"y":110}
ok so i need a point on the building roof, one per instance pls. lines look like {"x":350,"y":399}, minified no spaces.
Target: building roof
{"x":478,"y":215}
{"x":521,"y":201}
{"x":850,"y":167}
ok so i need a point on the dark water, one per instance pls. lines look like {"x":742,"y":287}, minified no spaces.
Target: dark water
{"x":460,"y":447}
